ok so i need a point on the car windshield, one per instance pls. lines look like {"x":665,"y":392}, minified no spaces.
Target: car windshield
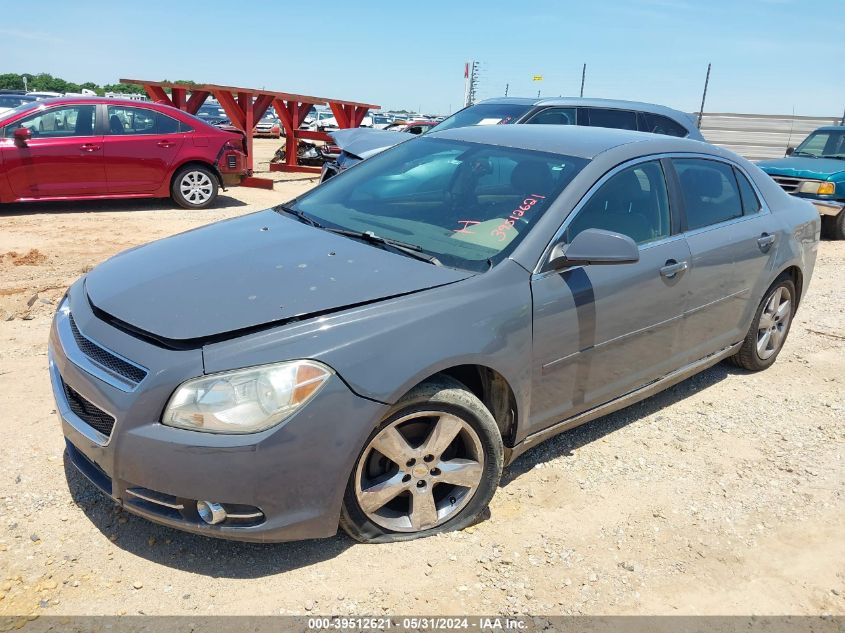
{"x":823,"y":144}
{"x":483,"y":114}
{"x":467,"y":204}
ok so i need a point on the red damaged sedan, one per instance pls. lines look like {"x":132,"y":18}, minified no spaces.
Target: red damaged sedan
{"x":86,"y":148}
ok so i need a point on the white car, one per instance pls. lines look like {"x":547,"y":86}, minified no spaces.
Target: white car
{"x":10,"y":100}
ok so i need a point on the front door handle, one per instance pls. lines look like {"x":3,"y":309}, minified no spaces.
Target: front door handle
{"x":672,"y":268}
{"x":765,"y":242}
{"x":90,"y":147}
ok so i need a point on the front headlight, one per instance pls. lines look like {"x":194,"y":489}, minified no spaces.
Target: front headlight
{"x":817,"y":187}
{"x":245,"y":400}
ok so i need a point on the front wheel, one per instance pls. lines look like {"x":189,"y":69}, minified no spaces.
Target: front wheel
{"x":194,"y":187}
{"x":431,"y":466}
{"x":839,"y":226}
{"x":769,"y":328}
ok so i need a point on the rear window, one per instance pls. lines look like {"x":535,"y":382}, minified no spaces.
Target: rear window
{"x":658,"y":124}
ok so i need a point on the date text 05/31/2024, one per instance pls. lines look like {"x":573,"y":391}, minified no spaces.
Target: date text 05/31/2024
{"x":417,"y":623}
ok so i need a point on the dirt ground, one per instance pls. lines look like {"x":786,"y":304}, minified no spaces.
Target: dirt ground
{"x":722,"y":495}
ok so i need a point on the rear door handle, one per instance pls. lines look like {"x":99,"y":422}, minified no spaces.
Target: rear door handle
{"x":765,"y":241}
{"x":672,"y":268}
{"x":165,"y":143}
{"x":90,"y":147}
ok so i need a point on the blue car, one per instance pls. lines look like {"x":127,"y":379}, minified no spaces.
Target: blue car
{"x":815,"y":170}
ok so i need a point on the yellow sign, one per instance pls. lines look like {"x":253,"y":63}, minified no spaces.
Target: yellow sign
{"x":538,"y":78}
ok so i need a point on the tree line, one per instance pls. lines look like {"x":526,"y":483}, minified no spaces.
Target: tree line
{"x":45,"y":82}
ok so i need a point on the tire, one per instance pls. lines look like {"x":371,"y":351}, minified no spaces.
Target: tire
{"x":755,"y":355}
{"x":839,"y":226}
{"x":194,"y":187}
{"x":424,"y":419}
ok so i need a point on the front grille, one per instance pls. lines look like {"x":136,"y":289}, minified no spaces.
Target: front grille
{"x":89,"y":413}
{"x":789,"y":185}
{"x":105,"y":358}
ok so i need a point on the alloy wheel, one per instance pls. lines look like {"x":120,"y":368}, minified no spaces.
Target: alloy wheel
{"x":196,"y":187}
{"x":774,"y":322}
{"x":419,"y":471}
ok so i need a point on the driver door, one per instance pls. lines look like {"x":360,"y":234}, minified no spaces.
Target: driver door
{"x":64,"y":157}
{"x":601,"y":331}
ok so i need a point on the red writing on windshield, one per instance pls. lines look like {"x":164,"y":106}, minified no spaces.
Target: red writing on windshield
{"x":501,"y":231}
{"x":466,"y":224}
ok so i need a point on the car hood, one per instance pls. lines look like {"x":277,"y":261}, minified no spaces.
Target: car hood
{"x":248,"y":272}
{"x":802,"y":167}
{"x":365,"y":142}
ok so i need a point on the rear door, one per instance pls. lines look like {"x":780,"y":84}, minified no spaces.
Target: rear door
{"x":141,"y":145}
{"x":732,"y":243}
{"x":64,"y":157}
{"x":603,"y":331}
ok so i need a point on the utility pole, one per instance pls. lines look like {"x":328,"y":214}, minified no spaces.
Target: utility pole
{"x":583,"y":77}
{"x":704,"y":96}
{"x":470,"y":82}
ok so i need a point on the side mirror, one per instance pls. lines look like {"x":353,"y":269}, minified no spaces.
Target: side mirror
{"x":594,"y":247}
{"x":22,"y":135}
{"x":789,"y":151}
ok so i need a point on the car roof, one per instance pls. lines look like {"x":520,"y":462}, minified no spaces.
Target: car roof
{"x":617,"y":104}
{"x":571,"y":140}
{"x":830,"y":128}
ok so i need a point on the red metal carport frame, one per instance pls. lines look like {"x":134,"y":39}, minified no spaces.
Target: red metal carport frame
{"x":246,"y":106}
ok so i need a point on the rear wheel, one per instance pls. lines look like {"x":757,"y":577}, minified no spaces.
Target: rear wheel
{"x":769,"y":328}
{"x":194,"y":187}
{"x":431,"y":466}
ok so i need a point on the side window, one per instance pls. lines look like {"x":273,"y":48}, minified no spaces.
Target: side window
{"x":710,"y":191}
{"x":620,"y":119}
{"x":68,"y":121}
{"x":633,"y":202}
{"x":129,"y":120}
{"x":657,"y":124}
{"x":554,"y":116}
{"x":750,"y":202}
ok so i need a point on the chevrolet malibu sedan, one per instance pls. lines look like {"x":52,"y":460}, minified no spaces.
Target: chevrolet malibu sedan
{"x":87,"y":148}
{"x":371,"y":354}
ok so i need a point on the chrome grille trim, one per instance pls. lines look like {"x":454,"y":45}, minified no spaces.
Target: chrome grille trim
{"x":792,"y":185}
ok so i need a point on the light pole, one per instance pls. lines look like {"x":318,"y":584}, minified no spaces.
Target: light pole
{"x":704,"y":96}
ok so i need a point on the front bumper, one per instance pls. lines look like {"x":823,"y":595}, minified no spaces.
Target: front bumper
{"x":827,"y":207}
{"x":293,"y":475}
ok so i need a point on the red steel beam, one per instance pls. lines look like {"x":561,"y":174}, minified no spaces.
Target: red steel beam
{"x":250,"y":105}
{"x":198,"y":97}
{"x":157,"y":94}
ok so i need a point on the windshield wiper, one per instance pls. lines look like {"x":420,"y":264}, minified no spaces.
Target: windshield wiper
{"x":301,"y":216}
{"x":804,"y":154}
{"x":412,"y":250}
{"x":409,"y":249}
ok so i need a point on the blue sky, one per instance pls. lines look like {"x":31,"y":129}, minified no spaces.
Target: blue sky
{"x":769,"y":56}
